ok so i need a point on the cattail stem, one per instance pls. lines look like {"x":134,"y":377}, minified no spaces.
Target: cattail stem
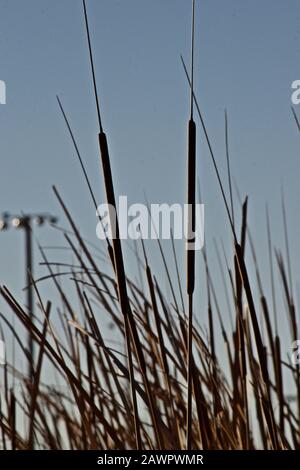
{"x":120,"y":275}
{"x":191,"y":199}
{"x":190,"y":270}
{"x":189,"y":373}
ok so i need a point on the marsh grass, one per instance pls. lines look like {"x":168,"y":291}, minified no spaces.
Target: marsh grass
{"x":138,"y":392}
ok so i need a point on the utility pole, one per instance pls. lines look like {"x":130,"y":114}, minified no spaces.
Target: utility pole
{"x":26,"y":222}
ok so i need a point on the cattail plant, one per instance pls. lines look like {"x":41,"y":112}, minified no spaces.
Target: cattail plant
{"x":191,"y":196}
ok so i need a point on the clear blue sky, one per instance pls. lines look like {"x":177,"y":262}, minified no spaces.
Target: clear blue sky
{"x":247,"y":55}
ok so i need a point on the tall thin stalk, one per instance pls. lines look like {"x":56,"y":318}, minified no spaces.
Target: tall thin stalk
{"x":190,"y":252}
